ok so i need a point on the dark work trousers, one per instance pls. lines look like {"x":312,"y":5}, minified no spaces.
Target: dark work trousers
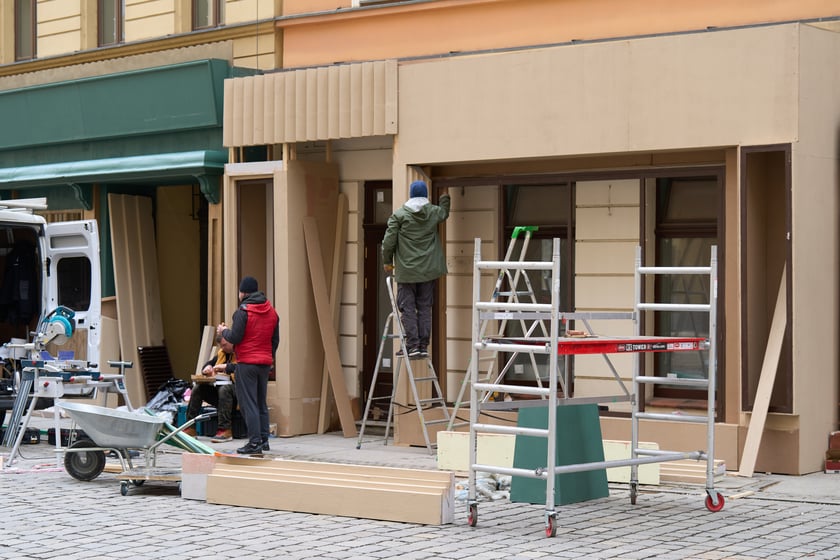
{"x":251,"y":391}
{"x":223,"y":397}
{"x":415,"y":303}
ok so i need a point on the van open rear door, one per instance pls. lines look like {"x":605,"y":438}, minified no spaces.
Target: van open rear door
{"x":73,"y":281}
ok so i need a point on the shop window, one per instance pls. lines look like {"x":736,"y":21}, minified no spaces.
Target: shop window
{"x":208,"y":13}
{"x":549,"y":207}
{"x":686,"y":228}
{"x":110,"y":15}
{"x":25,"y":29}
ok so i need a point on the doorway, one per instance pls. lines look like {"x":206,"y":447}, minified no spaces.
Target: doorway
{"x":378,"y":206}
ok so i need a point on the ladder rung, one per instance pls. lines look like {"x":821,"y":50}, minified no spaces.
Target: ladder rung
{"x":424,"y":378}
{"x":438,"y":400}
{"x":430,"y":422}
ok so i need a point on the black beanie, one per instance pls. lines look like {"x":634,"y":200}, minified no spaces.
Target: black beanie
{"x":248,"y":285}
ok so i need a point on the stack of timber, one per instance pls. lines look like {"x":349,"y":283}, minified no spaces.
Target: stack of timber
{"x":366,"y":492}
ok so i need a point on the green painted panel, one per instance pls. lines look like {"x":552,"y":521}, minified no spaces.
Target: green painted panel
{"x":578,"y":440}
{"x":153,"y":100}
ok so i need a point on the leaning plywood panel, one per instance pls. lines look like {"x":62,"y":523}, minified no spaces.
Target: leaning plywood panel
{"x":136,"y":281}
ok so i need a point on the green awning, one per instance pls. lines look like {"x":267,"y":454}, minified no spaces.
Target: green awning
{"x":204,"y":166}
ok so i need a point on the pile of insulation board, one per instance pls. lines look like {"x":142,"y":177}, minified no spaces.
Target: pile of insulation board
{"x":367,"y":492}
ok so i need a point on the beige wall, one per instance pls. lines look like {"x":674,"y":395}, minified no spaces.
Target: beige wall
{"x":301,"y":189}
{"x":734,"y":88}
{"x":472,"y":214}
{"x":357,"y":161}
{"x":179,"y":270}
{"x":607,"y":218}
{"x":815,"y":245}
{"x":604,"y":98}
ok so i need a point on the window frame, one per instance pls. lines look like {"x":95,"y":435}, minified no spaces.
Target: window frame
{"x":33,"y":30}
{"x":119,"y":22}
{"x":668,"y":395}
{"x":216,"y":14}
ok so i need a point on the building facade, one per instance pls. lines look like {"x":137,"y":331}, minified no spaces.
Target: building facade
{"x":610,"y":125}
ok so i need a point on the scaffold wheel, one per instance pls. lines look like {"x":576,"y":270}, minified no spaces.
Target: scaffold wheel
{"x":551,"y":527}
{"x":711,"y":506}
{"x":472,"y":517}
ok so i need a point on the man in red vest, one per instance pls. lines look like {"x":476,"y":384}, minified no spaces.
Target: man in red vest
{"x":255,"y":334}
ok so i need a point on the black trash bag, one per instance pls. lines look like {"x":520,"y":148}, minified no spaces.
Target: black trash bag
{"x":169,"y":396}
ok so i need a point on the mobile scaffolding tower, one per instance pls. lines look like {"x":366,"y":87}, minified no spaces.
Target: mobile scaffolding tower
{"x":557,"y":344}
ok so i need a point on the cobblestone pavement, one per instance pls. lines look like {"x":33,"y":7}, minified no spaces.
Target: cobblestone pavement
{"x":48,"y":514}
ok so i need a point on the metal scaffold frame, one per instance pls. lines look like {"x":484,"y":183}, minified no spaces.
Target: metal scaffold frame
{"x":555,"y":345}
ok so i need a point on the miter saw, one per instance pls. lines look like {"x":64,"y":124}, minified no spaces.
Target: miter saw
{"x":56,"y":327}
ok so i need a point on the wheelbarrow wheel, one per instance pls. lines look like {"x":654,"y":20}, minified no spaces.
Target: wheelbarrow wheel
{"x":84,"y":465}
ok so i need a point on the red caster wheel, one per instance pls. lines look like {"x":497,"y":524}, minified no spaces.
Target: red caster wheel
{"x":472,"y":517}
{"x":711,"y":506}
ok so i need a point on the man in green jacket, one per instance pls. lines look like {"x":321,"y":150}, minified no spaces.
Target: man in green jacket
{"x":411,"y":250}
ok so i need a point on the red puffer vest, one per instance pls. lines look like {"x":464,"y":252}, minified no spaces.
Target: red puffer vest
{"x":255,"y":346}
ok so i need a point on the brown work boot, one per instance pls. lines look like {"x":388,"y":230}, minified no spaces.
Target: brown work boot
{"x":190,"y":431}
{"x":222,"y":436}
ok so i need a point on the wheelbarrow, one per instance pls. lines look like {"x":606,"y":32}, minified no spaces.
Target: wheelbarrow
{"x":123,"y":434}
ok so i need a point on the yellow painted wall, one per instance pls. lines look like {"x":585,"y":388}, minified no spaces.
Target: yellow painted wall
{"x":239,"y":11}
{"x":146,"y":19}
{"x":70,"y":26}
{"x":59,"y":27}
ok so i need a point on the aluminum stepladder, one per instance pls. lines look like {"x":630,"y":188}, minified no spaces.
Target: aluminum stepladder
{"x":423,"y":405}
{"x":513,"y":295}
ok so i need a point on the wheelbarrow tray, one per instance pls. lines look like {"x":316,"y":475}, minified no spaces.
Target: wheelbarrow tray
{"x":115,"y":428}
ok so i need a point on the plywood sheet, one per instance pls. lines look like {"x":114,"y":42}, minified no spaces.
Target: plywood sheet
{"x":136,"y":282}
{"x":765,"y":382}
{"x":329,"y":337}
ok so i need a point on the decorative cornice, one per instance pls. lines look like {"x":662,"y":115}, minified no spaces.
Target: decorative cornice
{"x":191,"y":39}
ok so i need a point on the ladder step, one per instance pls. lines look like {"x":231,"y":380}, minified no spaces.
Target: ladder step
{"x":425,"y":378}
{"x":430,"y":422}
{"x":433,"y":400}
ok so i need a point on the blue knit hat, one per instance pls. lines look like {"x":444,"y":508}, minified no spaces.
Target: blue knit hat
{"x":418,"y":189}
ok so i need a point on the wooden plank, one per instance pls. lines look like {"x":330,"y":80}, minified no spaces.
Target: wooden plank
{"x":690,"y":471}
{"x":208,"y":340}
{"x":329,"y":338}
{"x":765,"y":382}
{"x":427,"y":507}
{"x":325,"y":405}
{"x":226,"y":461}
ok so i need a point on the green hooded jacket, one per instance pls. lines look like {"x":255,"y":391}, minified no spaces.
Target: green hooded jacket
{"x":411,"y":242}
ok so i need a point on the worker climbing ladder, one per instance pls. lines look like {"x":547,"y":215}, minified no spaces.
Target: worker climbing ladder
{"x":430,"y":386}
{"x":516,"y":295}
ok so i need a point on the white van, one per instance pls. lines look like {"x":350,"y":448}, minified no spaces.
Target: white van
{"x":46,"y":266}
